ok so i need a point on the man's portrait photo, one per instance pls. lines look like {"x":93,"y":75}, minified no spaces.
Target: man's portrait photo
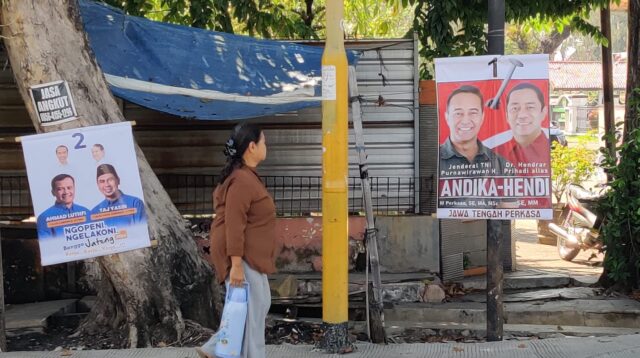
{"x":525,"y":112}
{"x":63,"y":188}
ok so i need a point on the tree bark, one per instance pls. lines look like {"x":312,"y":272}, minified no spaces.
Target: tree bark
{"x":631,"y":118}
{"x":309,"y":16}
{"x":152,"y":293}
{"x":550,"y":43}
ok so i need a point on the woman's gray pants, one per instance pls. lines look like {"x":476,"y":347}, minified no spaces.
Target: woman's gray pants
{"x":253,"y":345}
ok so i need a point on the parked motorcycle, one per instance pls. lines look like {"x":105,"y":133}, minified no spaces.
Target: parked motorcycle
{"x":581,"y":225}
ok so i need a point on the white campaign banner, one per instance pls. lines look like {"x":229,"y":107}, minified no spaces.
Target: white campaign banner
{"x":493,"y":131}
{"x":86,"y":192}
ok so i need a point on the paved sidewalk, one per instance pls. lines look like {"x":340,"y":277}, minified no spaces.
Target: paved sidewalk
{"x":530,"y":255}
{"x":618,"y":347}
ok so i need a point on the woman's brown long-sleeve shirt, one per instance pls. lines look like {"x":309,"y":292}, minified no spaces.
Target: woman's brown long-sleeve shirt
{"x":244,"y":224}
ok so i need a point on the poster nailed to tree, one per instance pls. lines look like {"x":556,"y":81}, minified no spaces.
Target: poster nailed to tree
{"x":53,"y":103}
{"x":494,"y":155}
{"x":86,"y":192}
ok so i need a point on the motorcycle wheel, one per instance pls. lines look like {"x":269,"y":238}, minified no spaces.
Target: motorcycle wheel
{"x":566,"y":253}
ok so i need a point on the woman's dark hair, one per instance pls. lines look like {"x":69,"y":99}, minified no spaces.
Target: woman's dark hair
{"x":243,"y":134}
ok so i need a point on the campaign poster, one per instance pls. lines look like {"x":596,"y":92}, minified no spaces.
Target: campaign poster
{"x":494,"y":149}
{"x":86,"y":192}
{"x":53,"y":103}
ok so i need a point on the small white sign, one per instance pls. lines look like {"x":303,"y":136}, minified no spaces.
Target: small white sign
{"x":329,"y":83}
{"x":53,"y":103}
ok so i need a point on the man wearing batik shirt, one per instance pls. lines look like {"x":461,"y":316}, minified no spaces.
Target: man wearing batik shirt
{"x":117,"y":209}
{"x":525,"y":112}
{"x":64,"y":211}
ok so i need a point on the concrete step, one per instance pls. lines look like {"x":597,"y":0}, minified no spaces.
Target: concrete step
{"x":624,"y":313}
{"x":477,"y":330}
{"x":530,"y":280}
{"x":405,"y":288}
{"x":34,"y":317}
{"x":565,"y":293}
{"x":396,"y":288}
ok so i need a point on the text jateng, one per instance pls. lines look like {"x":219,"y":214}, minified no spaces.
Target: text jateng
{"x":53,"y":103}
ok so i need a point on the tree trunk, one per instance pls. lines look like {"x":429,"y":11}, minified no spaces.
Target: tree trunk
{"x":631,"y":118}
{"x":550,"y":44}
{"x":149,"y":294}
{"x":309,"y":16}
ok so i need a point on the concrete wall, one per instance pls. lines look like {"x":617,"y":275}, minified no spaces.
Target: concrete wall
{"x":299,"y":243}
{"x":408,"y":243}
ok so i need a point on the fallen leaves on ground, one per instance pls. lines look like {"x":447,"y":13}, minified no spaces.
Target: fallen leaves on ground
{"x":455,"y":289}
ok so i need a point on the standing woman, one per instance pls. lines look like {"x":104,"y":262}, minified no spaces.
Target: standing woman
{"x":243,"y":233}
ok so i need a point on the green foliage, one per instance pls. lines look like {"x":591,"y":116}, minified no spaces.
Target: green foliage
{"x":286,"y":19}
{"x":574,"y":163}
{"x":377,"y":19}
{"x":536,"y":35}
{"x":592,"y":98}
{"x":520,"y":39}
{"x":268,"y":19}
{"x":445,"y":27}
{"x":588,"y":48}
{"x":466,"y":261}
{"x":457,"y":27}
{"x":621,"y":206}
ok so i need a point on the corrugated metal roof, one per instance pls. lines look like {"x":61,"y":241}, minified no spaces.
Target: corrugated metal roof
{"x":584,"y":75}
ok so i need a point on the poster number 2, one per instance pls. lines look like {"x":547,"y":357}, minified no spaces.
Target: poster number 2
{"x":80,"y":137}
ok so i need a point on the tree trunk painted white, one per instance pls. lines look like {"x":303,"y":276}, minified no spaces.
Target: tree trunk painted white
{"x":153,"y":293}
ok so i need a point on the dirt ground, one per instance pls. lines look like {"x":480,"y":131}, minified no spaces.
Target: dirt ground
{"x":60,"y":338}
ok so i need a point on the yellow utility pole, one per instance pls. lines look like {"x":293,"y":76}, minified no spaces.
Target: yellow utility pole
{"x":335,"y":173}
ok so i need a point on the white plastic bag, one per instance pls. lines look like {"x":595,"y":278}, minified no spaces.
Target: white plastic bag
{"x":234,"y":317}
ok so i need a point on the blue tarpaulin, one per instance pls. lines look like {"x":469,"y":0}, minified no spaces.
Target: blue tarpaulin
{"x":200,"y":74}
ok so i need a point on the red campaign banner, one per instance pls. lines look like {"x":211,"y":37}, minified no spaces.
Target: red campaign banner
{"x":497,"y":123}
{"x":494,"y":155}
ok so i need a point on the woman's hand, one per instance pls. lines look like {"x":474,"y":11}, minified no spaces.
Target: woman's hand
{"x":236,"y":275}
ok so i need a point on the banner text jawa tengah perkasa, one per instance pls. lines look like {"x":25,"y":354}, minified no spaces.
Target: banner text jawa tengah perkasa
{"x":494,"y":155}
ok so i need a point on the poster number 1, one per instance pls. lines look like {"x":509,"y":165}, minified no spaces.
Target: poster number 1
{"x":80,"y":137}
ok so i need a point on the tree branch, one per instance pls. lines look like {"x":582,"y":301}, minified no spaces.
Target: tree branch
{"x":550,"y":44}
{"x":308,"y":20}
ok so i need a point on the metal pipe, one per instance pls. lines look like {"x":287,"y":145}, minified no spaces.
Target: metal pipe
{"x":571,"y":240}
{"x":495,"y":314}
{"x":495,"y":36}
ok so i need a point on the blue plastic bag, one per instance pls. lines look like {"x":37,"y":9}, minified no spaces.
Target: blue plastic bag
{"x":234,"y":317}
